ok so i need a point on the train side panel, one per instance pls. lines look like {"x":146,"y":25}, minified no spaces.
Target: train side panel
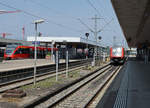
{"x":23,"y":52}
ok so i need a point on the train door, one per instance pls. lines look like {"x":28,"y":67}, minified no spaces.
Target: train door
{"x":25,"y":52}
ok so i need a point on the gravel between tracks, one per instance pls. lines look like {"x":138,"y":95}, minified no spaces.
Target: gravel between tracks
{"x":37,"y":92}
{"x":80,"y":97}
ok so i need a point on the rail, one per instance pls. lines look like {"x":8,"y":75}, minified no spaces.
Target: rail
{"x":12,"y":76}
{"x":84,"y":80}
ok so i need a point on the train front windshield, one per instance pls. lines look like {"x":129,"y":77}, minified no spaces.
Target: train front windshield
{"x":10,"y":49}
{"x":117,"y":51}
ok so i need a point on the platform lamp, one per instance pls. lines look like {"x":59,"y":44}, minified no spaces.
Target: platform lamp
{"x":87,"y":35}
{"x":36,"y":22}
{"x":99,"y":37}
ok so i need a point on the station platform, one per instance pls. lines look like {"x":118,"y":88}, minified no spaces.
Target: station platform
{"x":130,"y":89}
{"x":25,"y":63}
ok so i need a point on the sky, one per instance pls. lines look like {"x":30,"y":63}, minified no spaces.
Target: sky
{"x":61,"y":18}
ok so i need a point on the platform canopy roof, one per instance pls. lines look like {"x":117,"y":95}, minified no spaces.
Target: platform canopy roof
{"x":58,"y":39}
{"x":134,"y":18}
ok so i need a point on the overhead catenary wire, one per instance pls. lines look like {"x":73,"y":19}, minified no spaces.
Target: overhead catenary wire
{"x":51,"y":9}
{"x":99,"y":13}
{"x":106,"y":25}
{"x":103,"y":9}
{"x":58,"y":12}
{"x":85,"y":25}
{"x":106,"y":9}
{"x":90,"y":3}
{"x":33,"y":15}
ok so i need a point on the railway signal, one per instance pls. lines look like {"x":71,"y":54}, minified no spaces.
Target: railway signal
{"x":87,"y":35}
{"x":99,"y":37}
{"x":99,"y":49}
{"x":23,"y":33}
{"x":95,"y":31}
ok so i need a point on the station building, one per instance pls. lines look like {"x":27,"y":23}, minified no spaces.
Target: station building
{"x":77,"y":46}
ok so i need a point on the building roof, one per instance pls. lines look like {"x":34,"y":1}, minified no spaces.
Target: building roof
{"x":62,"y":39}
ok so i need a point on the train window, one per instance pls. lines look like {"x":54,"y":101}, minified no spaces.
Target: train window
{"x":1,"y":52}
{"x":22,"y":51}
{"x":11,"y":46}
{"x":9,"y":50}
{"x":25,"y":50}
{"x":18,"y":51}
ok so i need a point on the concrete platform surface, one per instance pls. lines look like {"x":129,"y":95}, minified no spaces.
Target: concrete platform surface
{"x":132,"y":90}
{"x":24,"y":63}
{"x":138,"y":85}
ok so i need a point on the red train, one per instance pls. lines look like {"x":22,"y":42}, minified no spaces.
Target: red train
{"x":117,"y":54}
{"x":21,"y":52}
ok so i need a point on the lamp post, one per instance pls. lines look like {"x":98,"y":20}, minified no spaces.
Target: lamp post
{"x":36,"y":22}
{"x":87,"y":35}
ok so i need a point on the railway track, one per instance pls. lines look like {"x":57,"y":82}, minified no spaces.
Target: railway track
{"x":79,"y":94}
{"x":94,"y":100}
{"x":46,"y":73}
{"x":13,"y":76}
